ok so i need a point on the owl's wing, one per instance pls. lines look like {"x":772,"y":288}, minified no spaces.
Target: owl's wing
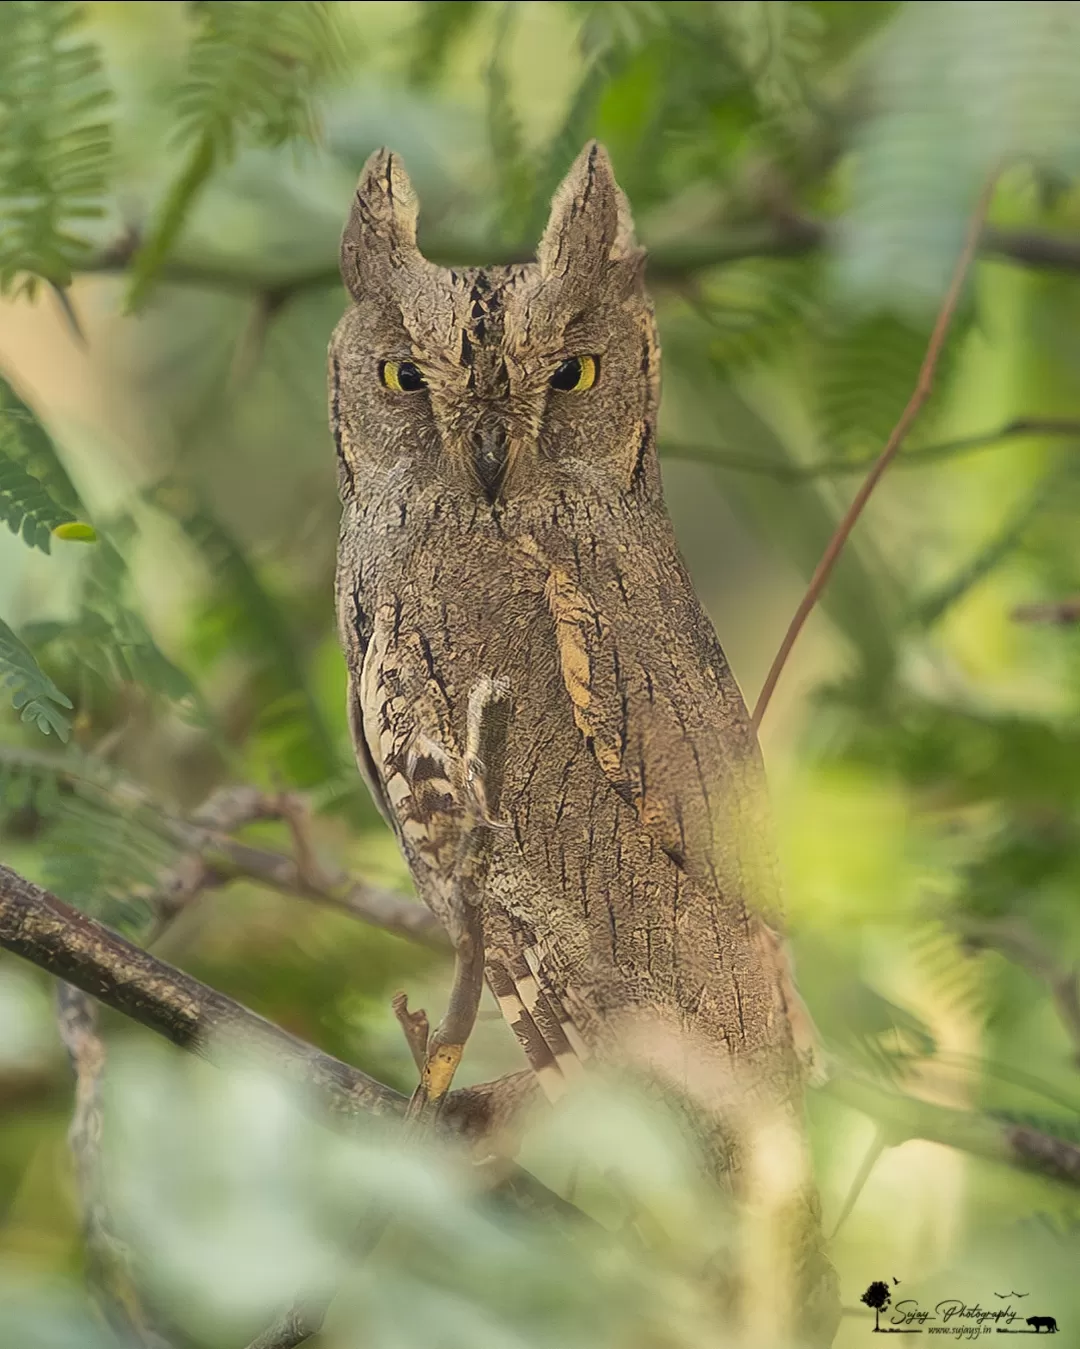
{"x":419,"y":773}
{"x":665,"y":722}
{"x":406,"y":745}
{"x":356,"y":630}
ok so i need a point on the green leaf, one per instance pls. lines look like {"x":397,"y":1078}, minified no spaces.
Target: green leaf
{"x":106,"y":842}
{"x":55,"y":146}
{"x":33,"y":694}
{"x":171,"y":218}
{"x":758,"y":307}
{"x":859,"y":599}
{"x":76,"y":532}
{"x":776,"y":44}
{"x":571,"y":134}
{"x":1004,"y":541}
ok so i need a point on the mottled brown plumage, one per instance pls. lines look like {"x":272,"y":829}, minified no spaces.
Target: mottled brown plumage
{"x":498,"y":528}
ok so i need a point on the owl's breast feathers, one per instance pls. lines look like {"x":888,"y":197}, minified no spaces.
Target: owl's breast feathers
{"x":635,"y":853}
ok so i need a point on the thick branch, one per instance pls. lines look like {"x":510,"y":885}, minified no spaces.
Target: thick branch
{"x":50,"y":934}
{"x":44,"y":930}
{"x":785,"y":236}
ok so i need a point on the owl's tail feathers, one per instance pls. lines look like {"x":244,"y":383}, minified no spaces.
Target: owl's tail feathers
{"x":552,"y":1044}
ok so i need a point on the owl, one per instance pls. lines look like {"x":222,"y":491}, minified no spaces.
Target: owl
{"x":504,"y":543}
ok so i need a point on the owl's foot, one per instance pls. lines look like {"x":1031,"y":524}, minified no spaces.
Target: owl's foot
{"x":414,"y":1026}
{"x":436,"y":1078}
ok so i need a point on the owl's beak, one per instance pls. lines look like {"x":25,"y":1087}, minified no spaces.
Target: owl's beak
{"x":490,"y":450}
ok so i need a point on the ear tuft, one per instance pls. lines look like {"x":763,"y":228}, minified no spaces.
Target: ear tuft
{"x":379,"y":240}
{"x":590,"y":225}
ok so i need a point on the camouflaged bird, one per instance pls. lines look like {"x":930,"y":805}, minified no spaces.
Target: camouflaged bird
{"x":504,"y":529}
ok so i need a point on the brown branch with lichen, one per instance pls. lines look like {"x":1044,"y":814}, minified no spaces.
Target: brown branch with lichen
{"x":108,"y":1259}
{"x":42,"y":929}
{"x":903,"y":1118}
{"x":210,"y":858}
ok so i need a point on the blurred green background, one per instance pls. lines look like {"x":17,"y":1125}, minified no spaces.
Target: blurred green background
{"x":173,"y":181}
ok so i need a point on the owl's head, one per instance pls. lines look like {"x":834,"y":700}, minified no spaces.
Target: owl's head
{"x":500,"y":381}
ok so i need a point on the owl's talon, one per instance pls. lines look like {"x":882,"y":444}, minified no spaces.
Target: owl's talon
{"x":414,"y":1026}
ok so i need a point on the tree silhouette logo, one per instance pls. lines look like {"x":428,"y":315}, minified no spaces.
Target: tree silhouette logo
{"x":878,"y":1297}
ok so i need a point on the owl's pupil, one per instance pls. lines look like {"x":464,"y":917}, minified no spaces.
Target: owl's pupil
{"x":567,"y":376}
{"x":409,"y":378}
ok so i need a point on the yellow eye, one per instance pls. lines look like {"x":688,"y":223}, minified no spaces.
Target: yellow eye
{"x":576,"y":375}
{"x":401,"y":376}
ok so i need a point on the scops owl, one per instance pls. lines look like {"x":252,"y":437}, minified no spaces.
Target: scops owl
{"x":504,"y":526}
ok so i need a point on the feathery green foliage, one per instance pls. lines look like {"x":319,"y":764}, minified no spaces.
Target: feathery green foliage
{"x":801,"y":174}
{"x":243,"y":616}
{"x":862,"y":371}
{"x":33,"y":694}
{"x":25,"y":443}
{"x":439,"y":25}
{"x":54,"y":142}
{"x":960,"y":89}
{"x":505,"y":135}
{"x":26,"y":507}
{"x":107,"y":845}
{"x":107,"y":637}
{"x":252,"y":70}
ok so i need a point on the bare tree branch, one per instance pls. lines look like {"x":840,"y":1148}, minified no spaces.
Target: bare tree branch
{"x":211,"y":859}
{"x":42,"y":929}
{"x":906,"y":1117}
{"x":108,"y":1260}
{"x":1062,"y":613}
{"x":923,"y":387}
{"x":785,"y":234}
{"x":721,"y":456}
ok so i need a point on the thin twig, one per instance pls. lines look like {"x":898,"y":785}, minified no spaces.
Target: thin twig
{"x":1062,"y":613}
{"x":873,"y":1154}
{"x":906,"y":1117}
{"x":785,"y":235}
{"x":108,"y":1259}
{"x":782,"y":471}
{"x":923,"y":387}
{"x":210,"y":858}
